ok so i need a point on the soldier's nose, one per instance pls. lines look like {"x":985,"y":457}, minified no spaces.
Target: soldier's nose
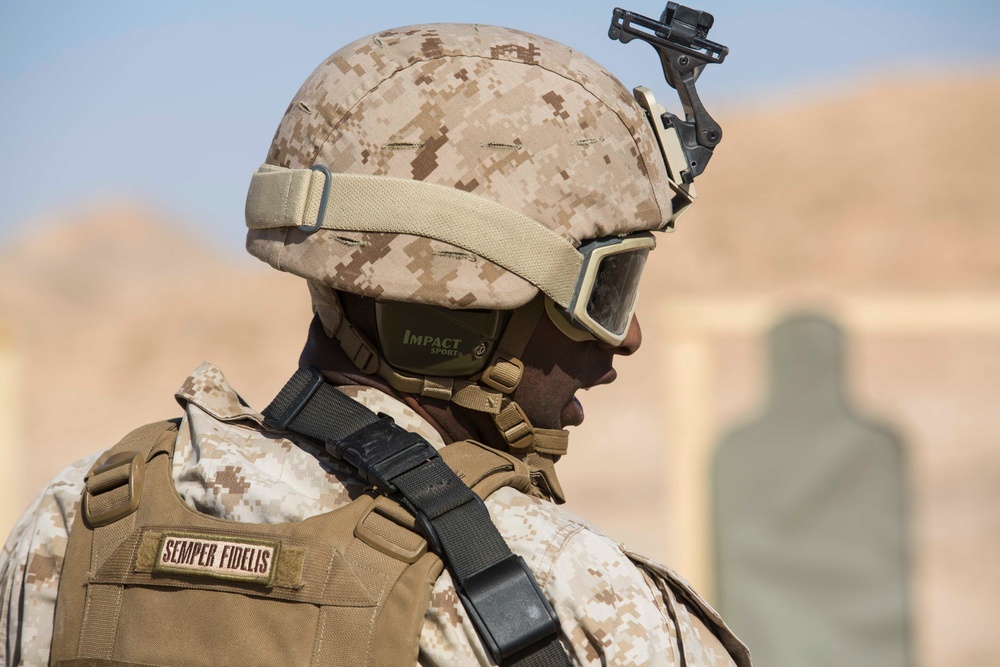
{"x":633,"y":339}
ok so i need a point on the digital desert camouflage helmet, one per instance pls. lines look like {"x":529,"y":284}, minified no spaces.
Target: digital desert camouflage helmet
{"x":470,"y":178}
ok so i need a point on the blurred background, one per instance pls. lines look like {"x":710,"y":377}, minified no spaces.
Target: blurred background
{"x":856,"y":183}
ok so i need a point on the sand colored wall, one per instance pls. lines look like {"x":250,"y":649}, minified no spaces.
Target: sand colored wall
{"x":928,"y":367}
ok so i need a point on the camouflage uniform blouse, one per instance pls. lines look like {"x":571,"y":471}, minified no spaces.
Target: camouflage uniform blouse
{"x":615,"y":608}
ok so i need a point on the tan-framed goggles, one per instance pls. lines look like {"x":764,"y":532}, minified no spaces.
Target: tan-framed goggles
{"x":606,"y":291}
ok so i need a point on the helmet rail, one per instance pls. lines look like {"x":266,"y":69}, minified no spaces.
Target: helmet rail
{"x":680,"y":38}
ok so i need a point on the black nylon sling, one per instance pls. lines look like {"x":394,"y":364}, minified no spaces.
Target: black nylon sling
{"x":511,"y":614}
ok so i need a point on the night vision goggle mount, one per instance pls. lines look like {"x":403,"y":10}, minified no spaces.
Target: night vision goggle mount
{"x":680,"y":38}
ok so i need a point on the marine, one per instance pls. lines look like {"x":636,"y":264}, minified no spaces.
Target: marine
{"x":499,"y":193}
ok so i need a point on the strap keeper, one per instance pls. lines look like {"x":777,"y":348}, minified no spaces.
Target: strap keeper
{"x":324,"y":199}
{"x":292,"y":398}
{"x":439,"y":388}
{"x":504,"y":374}
{"x":515,"y":428}
{"x":362,"y":353}
{"x":508,"y":608}
{"x":108,"y":476}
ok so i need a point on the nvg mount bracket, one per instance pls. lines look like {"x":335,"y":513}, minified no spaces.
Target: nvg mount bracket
{"x":680,"y":39}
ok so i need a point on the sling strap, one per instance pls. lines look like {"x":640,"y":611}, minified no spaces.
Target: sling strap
{"x":511,"y":614}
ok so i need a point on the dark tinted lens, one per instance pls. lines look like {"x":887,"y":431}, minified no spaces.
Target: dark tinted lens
{"x":615,"y":288}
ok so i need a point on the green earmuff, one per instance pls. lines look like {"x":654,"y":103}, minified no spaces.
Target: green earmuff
{"x":437,"y":341}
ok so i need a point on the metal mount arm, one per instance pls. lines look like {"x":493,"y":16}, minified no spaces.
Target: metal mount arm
{"x":680,"y":39}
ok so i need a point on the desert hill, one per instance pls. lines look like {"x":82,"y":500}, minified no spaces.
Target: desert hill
{"x":892,"y":188}
{"x":113,"y":307}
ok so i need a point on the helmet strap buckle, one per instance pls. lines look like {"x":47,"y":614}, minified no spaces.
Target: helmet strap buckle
{"x":515,"y":428}
{"x":504,"y":374}
{"x":361,"y":352}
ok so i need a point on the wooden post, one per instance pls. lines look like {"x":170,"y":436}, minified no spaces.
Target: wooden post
{"x":690,"y":376}
{"x":10,"y":446}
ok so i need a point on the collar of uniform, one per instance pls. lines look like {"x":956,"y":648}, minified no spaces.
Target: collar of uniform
{"x":208,"y":389}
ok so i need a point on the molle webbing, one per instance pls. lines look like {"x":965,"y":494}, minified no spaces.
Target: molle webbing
{"x":511,"y":614}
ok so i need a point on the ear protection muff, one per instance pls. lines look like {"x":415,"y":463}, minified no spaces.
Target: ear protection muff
{"x":437,"y":341}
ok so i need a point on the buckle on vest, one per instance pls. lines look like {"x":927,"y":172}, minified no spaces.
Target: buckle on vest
{"x":113,"y":488}
{"x":509,"y":610}
{"x":382,"y":531}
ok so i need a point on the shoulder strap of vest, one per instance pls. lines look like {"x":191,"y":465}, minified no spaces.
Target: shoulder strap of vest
{"x":111,"y":495}
{"x":486,"y":470}
{"x":114,"y":483}
{"x":512,"y":616}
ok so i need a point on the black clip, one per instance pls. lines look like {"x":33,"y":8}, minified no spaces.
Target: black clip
{"x":508,"y":609}
{"x":382,"y":451}
{"x":680,"y":38}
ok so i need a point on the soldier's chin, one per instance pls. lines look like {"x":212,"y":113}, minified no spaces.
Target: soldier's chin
{"x":572,"y":413}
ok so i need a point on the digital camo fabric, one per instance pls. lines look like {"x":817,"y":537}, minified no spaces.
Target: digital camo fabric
{"x":29,"y":568}
{"x":505,"y":115}
{"x":613,"y":610}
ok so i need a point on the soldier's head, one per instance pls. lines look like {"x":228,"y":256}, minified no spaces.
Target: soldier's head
{"x":467,"y":201}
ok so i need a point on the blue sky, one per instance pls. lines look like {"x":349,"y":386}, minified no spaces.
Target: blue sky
{"x":175,"y":103}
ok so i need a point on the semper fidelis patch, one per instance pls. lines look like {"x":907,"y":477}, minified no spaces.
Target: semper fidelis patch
{"x":246,"y":560}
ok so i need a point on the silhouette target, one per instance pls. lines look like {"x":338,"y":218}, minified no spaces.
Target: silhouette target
{"x":809,"y":517}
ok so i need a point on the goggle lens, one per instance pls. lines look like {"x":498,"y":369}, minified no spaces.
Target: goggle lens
{"x":616,"y":286}
{"x":606,"y":290}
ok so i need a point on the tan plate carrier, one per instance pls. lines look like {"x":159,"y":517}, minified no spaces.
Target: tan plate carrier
{"x":349,"y":587}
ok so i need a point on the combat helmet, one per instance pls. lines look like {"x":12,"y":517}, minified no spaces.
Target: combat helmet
{"x":468,"y":178}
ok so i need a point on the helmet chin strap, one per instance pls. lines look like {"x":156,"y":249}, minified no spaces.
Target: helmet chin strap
{"x":487,"y":392}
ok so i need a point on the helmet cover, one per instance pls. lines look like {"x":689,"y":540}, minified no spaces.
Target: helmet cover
{"x":505,"y":115}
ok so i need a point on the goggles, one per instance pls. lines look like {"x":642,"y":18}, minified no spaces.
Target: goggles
{"x":604,"y":300}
